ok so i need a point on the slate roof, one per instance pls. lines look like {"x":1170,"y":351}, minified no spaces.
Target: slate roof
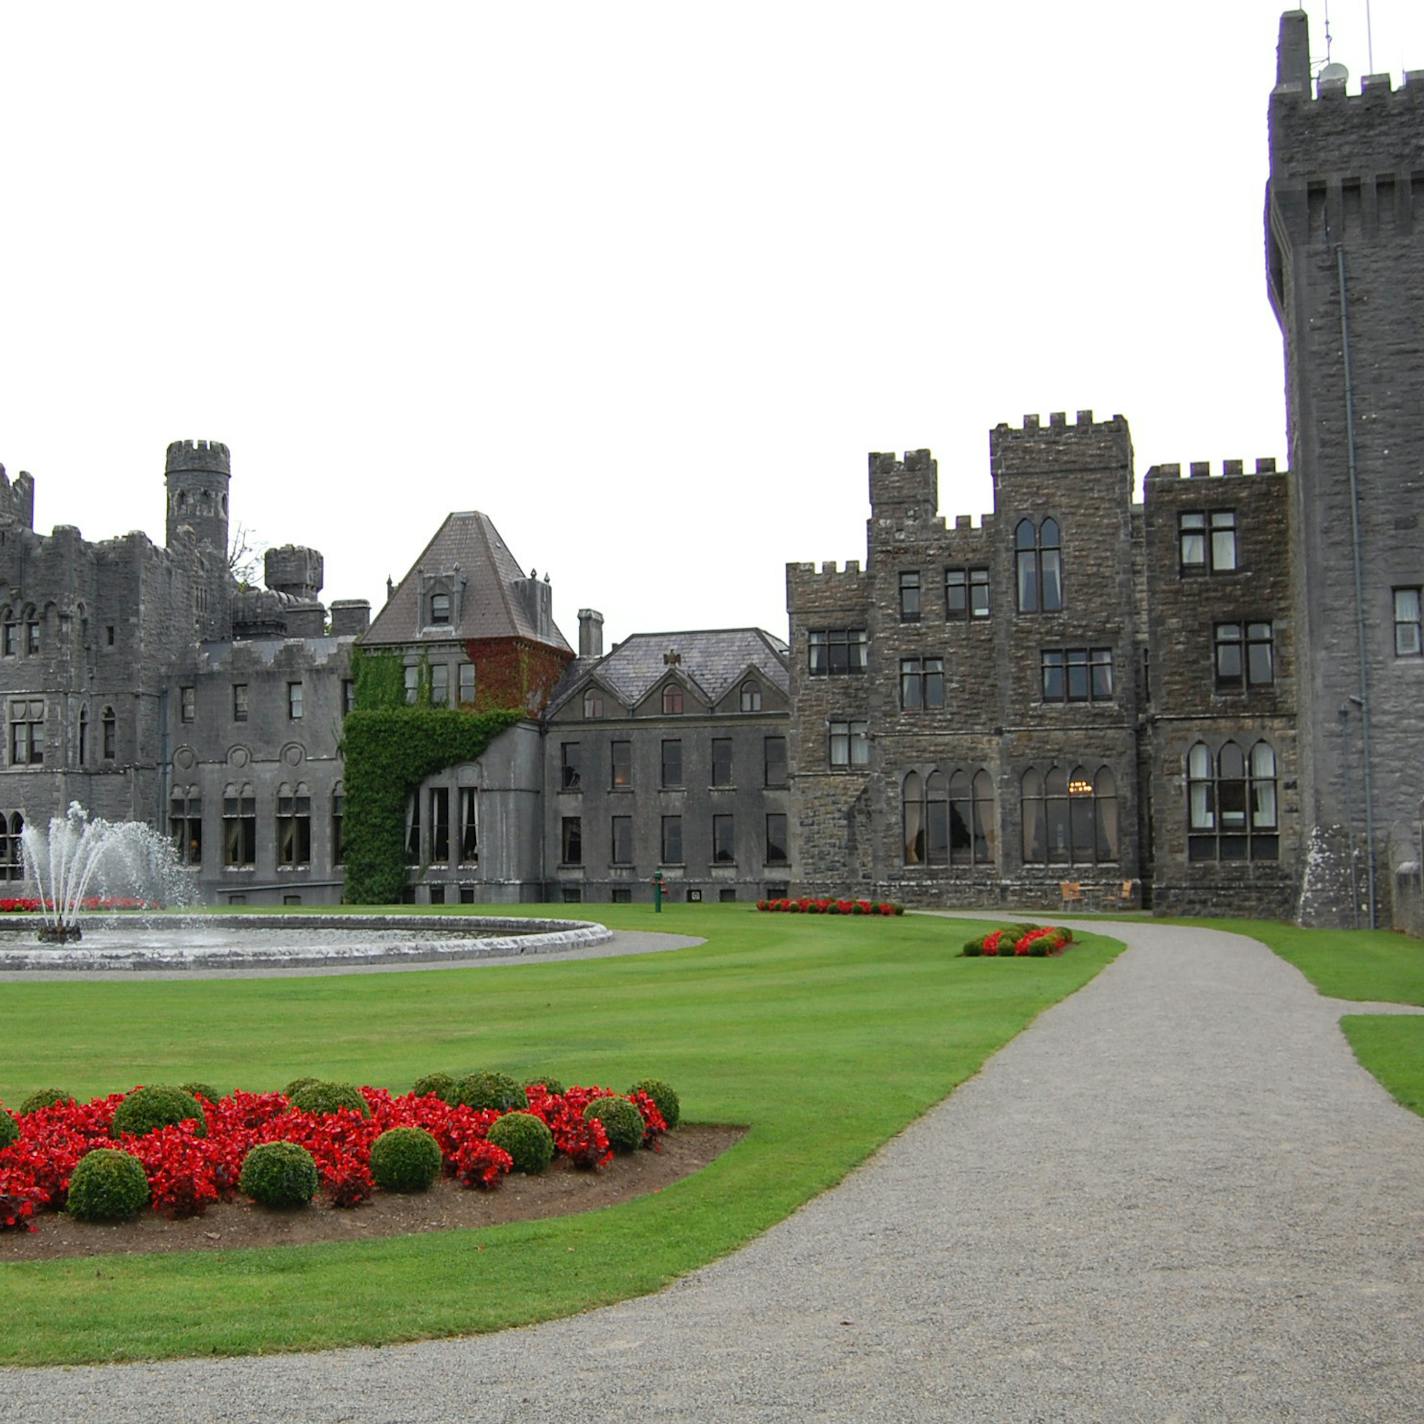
{"x":492,"y":607}
{"x":710,"y":660}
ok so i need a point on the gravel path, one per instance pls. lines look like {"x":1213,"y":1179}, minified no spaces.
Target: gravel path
{"x":1176,"y":1197}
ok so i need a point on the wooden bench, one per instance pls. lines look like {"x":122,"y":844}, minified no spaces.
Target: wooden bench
{"x":1071,"y":892}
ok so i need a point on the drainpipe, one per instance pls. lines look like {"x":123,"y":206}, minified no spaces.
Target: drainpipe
{"x":1363,"y":696}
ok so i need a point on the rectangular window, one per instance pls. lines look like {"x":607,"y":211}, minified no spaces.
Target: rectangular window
{"x":621,"y":840}
{"x":109,"y":634}
{"x":338,"y":817}
{"x":32,"y":636}
{"x":1407,"y":639}
{"x":9,"y":637}
{"x":469,"y":826}
{"x":727,"y":895}
{"x":240,"y":829}
{"x":672,"y":840}
{"x":467,"y":683}
{"x":412,"y":684}
{"x":239,"y":702}
{"x":621,"y":895}
{"x":620,"y":760}
{"x":185,"y":828}
{"x":467,"y":894}
{"x":1207,"y":541}
{"x":833,"y":651}
{"x":439,"y":684}
{"x":437,"y":894}
{"x":348,"y":695}
{"x":1076,"y":674}
{"x":294,"y":701}
{"x":440,"y":825}
{"x":672,"y":763}
{"x":723,"y":840}
{"x":910,"y":596}
{"x":966,"y":593}
{"x":774,"y":761}
{"x":721,"y":761}
{"x":412,"y":829}
{"x":849,"y":744}
{"x":776,"y":838}
{"x":187,"y":703}
{"x":293,"y":829}
{"x":921,"y":683}
{"x":569,"y":763}
{"x":1244,"y":654}
{"x":572,"y":894}
{"x":439,"y":608}
{"x":27,"y":735}
{"x":571,"y":840}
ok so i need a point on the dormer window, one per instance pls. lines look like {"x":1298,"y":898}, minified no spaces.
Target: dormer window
{"x":751,"y":696}
{"x":672,"y":700}
{"x":439,"y":608}
{"x":592,"y":705}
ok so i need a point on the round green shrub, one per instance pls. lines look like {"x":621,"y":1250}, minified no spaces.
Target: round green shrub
{"x":296,"y":1085}
{"x":157,"y":1105}
{"x":527,"y":1140}
{"x":491,"y":1090}
{"x":973,"y":947}
{"x":621,"y":1121}
{"x":441,"y":1084}
{"x":45,"y":1098}
{"x":328,"y":1097}
{"x":107,"y":1185}
{"x":405,"y":1159}
{"x":9,"y":1129}
{"x":1040,"y":947}
{"x":278,"y":1174}
{"x":554,"y":1086}
{"x":201,"y":1090}
{"x":663,"y":1095}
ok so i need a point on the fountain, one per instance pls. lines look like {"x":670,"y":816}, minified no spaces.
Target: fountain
{"x":83,"y":856}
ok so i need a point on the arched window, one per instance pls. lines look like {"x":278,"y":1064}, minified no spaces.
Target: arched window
{"x":239,"y":826}
{"x":592,"y":705}
{"x":1038,"y":566}
{"x":9,"y":636}
{"x":338,"y":813}
{"x":83,"y":739}
{"x":751,"y":696}
{"x":672,"y":700}
{"x":109,"y":725}
{"x":936,"y":819}
{"x":961,"y":819}
{"x":912,"y":816}
{"x":985,"y":839}
{"x":12,"y":865}
{"x":293,"y":825}
{"x":32,"y":630}
{"x":1069,"y":818}
{"x":5,"y":847}
{"x":439,"y":607}
{"x":1231,"y":803}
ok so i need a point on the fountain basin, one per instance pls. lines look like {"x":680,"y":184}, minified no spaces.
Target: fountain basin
{"x":261,"y":942}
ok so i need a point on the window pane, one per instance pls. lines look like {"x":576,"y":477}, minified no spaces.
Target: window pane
{"x":1028,"y":581}
{"x":1077,"y":674}
{"x":816,"y":654}
{"x":937,"y":833}
{"x":840,"y":744}
{"x":775,"y":761}
{"x":1054,"y":684}
{"x":1052,"y":580}
{"x":1102,"y":674}
{"x":934,"y":682}
{"x":722,"y":840}
{"x":979,"y":592}
{"x":1084,"y":838}
{"x":1056,"y":808}
{"x":909,"y":684}
{"x":672,"y":840}
{"x":910,"y":595}
{"x":1260,"y":668}
{"x":672,"y":763}
{"x":860,"y":744}
{"x":955,"y":593}
{"x":776,"y":838}
{"x":721,"y":761}
{"x":622,"y":853}
{"x":1223,"y":540}
{"x":621,"y":761}
{"x":1106,"y":810}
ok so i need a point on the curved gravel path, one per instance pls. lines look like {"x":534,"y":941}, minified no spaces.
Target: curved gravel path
{"x":1175,"y":1197}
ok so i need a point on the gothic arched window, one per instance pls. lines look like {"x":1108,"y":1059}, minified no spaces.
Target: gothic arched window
{"x":1231,"y":803}
{"x":1070,"y":818}
{"x":1038,"y":566}
{"x":912,"y":818}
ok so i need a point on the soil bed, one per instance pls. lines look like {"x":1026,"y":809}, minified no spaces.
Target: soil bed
{"x":229,"y":1225}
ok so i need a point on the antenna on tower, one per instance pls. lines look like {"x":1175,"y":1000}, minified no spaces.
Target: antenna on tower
{"x":1369,"y":37}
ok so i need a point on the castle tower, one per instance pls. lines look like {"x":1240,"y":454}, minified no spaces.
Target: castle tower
{"x":197,"y":473}
{"x":1345,"y":273}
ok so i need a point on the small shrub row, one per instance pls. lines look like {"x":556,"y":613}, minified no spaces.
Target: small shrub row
{"x":1020,"y":941}
{"x":808,"y":905}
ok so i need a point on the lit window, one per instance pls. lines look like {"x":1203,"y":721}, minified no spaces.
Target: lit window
{"x":1069,"y":818}
{"x":185,"y":825}
{"x":620,"y":756}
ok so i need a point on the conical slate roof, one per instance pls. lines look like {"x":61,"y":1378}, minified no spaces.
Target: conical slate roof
{"x":492,"y":606}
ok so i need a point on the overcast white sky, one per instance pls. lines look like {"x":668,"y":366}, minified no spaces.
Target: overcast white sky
{"x":644,"y":282}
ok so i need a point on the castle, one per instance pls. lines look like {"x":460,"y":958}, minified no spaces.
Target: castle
{"x":1202,"y":702}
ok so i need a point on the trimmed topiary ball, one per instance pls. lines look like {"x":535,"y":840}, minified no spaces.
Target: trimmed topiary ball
{"x":441,"y":1084}
{"x":278,"y":1174}
{"x":526,"y":1138}
{"x":663,"y":1095}
{"x":201,"y":1090}
{"x":621,"y":1121}
{"x":553,"y":1086}
{"x":329,"y":1097}
{"x":405,"y":1159}
{"x":154,"y":1106}
{"x":491,"y":1090}
{"x":9,"y":1129}
{"x":107,"y":1185}
{"x":296,"y":1085}
{"x":45,"y":1098}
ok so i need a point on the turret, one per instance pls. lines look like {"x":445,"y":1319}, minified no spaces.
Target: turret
{"x":197,"y":473}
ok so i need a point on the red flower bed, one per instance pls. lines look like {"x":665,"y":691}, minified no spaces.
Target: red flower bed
{"x":29,"y":904}
{"x":806,"y":905}
{"x":187,"y":1172}
{"x":1020,"y":941}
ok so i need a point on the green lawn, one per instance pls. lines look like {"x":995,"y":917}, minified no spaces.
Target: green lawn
{"x":825,"y":1035}
{"x":1392,"y":1048}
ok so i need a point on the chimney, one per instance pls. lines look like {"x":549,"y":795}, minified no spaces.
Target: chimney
{"x":590,"y":633}
{"x":350,"y":616}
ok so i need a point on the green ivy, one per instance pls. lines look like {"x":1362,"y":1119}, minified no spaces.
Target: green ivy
{"x":389,"y":750}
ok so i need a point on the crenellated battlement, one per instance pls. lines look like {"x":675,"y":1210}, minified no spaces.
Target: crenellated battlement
{"x":1202,"y":470}
{"x":198,"y":456}
{"x":1058,"y":423}
{"x":1037,"y":450}
{"x":813,"y":587}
